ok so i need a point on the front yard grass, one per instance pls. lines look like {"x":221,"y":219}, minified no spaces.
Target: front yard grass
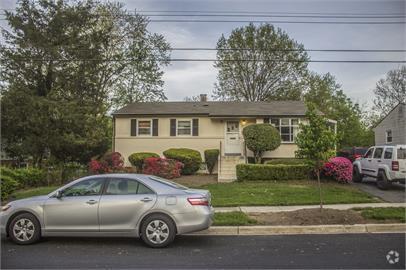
{"x":284,"y":193}
{"x":233,"y":219}
{"x":384,"y":213}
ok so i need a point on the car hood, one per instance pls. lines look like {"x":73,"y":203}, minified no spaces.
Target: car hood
{"x":31,"y":199}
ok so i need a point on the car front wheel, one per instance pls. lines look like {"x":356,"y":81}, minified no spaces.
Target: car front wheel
{"x":356,"y":175}
{"x":158,"y":231}
{"x":24,"y":229}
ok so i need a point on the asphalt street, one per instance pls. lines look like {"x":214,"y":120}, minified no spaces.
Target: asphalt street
{"x":294,"y":251}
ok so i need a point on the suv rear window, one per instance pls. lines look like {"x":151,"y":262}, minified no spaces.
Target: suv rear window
{"x":401,"y":153}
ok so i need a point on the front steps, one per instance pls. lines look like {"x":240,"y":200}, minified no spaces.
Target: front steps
{"x":227,"y":171}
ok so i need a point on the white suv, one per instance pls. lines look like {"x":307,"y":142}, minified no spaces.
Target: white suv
{"x":386,"y":163}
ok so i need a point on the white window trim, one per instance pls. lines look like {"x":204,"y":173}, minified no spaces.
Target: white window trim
{"x":290,"y":125}
{"x":386,"y":136}
{"x":150,"y":127}
{"x":191,"y":128}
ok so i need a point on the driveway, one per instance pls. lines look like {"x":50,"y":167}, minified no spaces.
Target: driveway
{"x":394,"y":194}
{"x":243,"y":252}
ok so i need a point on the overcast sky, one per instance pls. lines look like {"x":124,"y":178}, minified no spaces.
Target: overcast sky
{"x":358,"y":80}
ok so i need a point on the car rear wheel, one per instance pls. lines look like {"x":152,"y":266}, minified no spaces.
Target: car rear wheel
{"x":24,"y":229}
{"x":158,"y":230}
{"x":356,"y":175}
{"x":382,"y":181}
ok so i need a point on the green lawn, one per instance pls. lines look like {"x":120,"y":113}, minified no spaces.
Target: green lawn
{"x":284,"y":193}
{"x":233,"y":219}
{"x":25,"y":193}
{"x":262,"y":193}
{"x":392,"y":213}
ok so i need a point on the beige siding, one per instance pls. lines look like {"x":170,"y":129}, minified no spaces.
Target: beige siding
{"x":394,"y":121}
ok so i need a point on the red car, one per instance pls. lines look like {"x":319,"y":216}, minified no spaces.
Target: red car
{"x":352,"y":153}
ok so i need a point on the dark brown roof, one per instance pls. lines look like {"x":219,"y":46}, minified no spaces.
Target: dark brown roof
{"x":215,"y":108}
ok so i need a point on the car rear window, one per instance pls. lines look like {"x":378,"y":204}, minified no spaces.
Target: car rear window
{"x":360,"y":151}
{"x":401,"y":153}
{"x":168,"y":183}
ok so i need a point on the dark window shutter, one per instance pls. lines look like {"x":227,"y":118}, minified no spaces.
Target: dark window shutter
{"x":154,"y":127}
{"x":266,"y":120}
{"x":133,"y":127}
{"x":173,"y":127}
{"x":195,"y":130}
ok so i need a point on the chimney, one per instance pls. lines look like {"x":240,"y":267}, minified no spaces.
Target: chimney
{"x":203,"y":97}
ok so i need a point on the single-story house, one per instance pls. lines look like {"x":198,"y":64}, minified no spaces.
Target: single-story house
{"x":392,"y":128}
{"x":158,"y":126}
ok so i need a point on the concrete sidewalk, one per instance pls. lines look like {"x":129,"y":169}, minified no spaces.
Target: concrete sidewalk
{"x":270,"y":209}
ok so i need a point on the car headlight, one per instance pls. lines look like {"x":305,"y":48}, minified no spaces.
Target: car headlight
{"x":5,"y":207}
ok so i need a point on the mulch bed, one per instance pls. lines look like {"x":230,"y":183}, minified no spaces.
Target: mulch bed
{"x":196,"y":180}
{"x":314,"y":217}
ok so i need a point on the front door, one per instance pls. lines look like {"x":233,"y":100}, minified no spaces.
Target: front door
{"x":77,"y":209}
{"x":232,"y":144}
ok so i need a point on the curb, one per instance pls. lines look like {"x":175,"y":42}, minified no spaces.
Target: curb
{"x":312,"y":229}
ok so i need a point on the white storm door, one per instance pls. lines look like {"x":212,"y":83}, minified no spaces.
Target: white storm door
{"x":232,"y":144}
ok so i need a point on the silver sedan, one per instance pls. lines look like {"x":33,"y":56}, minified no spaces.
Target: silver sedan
{"x":132,"y":205}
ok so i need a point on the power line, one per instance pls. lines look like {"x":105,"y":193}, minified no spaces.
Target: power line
{"x":277,"y":22}
{"x":288,"y":50}
{"x":213,"y":60}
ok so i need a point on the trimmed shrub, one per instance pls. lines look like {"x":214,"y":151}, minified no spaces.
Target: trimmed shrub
{"x":26,"y":177}
{"x":286,"y":161}
{"x":137,"y":159}
{"x":211,"y":157}
{"x":191,"y":159}
{"x":8,"y":186}
{"x":260,"y":138}
{"x":253,"y":172}
{"x":162,"y":167}
{"x":339,"y":168}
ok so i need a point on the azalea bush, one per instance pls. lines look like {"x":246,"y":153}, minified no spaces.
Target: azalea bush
{"x":162,"y":167}
{"x":339,"y":168}
{"x":110,"y":162}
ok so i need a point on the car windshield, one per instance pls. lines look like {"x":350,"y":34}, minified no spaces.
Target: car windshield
{"x":401,"y":153}
{"x":168,"y":183}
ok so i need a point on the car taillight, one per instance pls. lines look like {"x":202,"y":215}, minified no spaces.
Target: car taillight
{"x":198,"y":201}
{"x":395,"y":165}
{"x":356,"y":156}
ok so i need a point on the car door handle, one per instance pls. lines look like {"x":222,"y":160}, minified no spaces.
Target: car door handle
{"x":379,"y":160}
{"x":146,"y":199}
{"x":369,"y":160}
{"x":91,"y":202}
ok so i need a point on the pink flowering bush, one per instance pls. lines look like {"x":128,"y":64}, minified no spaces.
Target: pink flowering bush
{"x":339,"y":168}
{"x":110,"y":162}
{"x":163,"y":167}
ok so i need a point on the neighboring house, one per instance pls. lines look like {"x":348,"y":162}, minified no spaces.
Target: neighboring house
{"x":392,"y":128}
{"x":158,"y":126}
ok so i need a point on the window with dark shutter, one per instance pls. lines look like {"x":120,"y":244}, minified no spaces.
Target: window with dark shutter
{"x":133,"y":127}
{"x":154,"y":127}
{"x":173,"y":127}
{"x":195,"y":130}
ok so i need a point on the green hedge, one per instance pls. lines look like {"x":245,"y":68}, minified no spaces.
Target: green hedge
{"x":26,"y":177}
{"x":190,"y":158}
{"x":211,"y":157}
{"x":254,"y":172}
{"x":286,"y":161}
{"x":8,"y":186}
{"x":137,"y":159}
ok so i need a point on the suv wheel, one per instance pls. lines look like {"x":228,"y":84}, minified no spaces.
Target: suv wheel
{"x":356,"y":175}
{"x":24,"y":229}
{"x":158,"y":231}
{"x":382,"y":181}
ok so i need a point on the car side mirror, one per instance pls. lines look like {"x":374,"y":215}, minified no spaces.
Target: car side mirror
{"x":59,"y":194}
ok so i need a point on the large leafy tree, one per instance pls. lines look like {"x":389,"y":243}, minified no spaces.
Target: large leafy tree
{"x":259,"y":63}
{"x":327,"y":95}
{"x":316,"y":142}
{"x":390,"y":91}
{"x":61,"y":65}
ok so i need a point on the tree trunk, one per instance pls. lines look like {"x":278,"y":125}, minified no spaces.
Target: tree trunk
{"x":321,"y":199}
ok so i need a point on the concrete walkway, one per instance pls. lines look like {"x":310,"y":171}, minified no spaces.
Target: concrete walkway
{"x":269,"y":209}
